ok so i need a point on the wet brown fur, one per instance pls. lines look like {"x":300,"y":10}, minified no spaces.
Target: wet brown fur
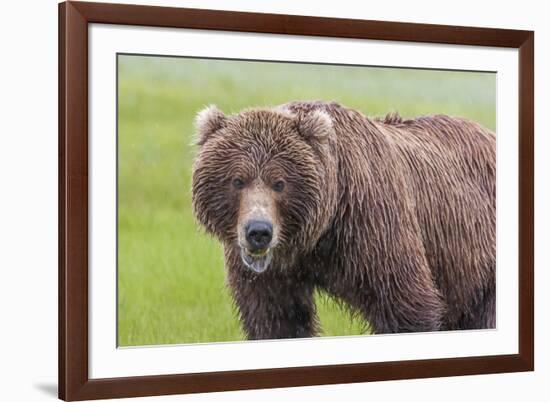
{"x":393,"y":217}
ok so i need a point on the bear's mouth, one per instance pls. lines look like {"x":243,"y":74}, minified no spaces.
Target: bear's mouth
{"x":257,"y":260}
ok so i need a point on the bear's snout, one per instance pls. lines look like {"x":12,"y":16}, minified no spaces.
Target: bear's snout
{"x":259,"y":234}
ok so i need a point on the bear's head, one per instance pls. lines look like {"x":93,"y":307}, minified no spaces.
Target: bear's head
{"x":264,"y":181}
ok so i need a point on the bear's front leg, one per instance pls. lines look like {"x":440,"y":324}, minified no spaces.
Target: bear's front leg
{"x":273,"y":304}
{"x":406,"y":307}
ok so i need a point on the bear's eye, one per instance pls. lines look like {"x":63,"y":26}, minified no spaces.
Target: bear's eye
{"x":279,"y":186}
{"x":238,"y":183}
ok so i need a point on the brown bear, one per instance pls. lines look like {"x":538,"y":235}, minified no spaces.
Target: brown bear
{"x":393,"y":217}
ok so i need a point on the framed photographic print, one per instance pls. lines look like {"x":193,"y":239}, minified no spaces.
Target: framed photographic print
{"x":259,"y":200}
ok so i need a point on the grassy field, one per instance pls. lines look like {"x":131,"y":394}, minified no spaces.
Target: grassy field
{"x":170,"y":275}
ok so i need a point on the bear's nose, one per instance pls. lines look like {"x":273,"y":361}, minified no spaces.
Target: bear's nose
{"x":259,"y":234}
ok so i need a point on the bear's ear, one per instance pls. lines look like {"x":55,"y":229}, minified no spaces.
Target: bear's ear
{"x":208,"y":121}
{"x":315,"y":126}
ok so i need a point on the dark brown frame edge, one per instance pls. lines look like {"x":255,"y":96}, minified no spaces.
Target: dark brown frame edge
{"x":74,"y":17}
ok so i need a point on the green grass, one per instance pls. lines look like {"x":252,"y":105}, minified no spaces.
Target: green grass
{"x":171,"y":284}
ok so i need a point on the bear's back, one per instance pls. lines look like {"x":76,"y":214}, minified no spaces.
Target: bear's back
{"x":451,"y":176}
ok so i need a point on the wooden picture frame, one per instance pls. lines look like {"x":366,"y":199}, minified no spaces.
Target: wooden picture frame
{"x":74,"y":381}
